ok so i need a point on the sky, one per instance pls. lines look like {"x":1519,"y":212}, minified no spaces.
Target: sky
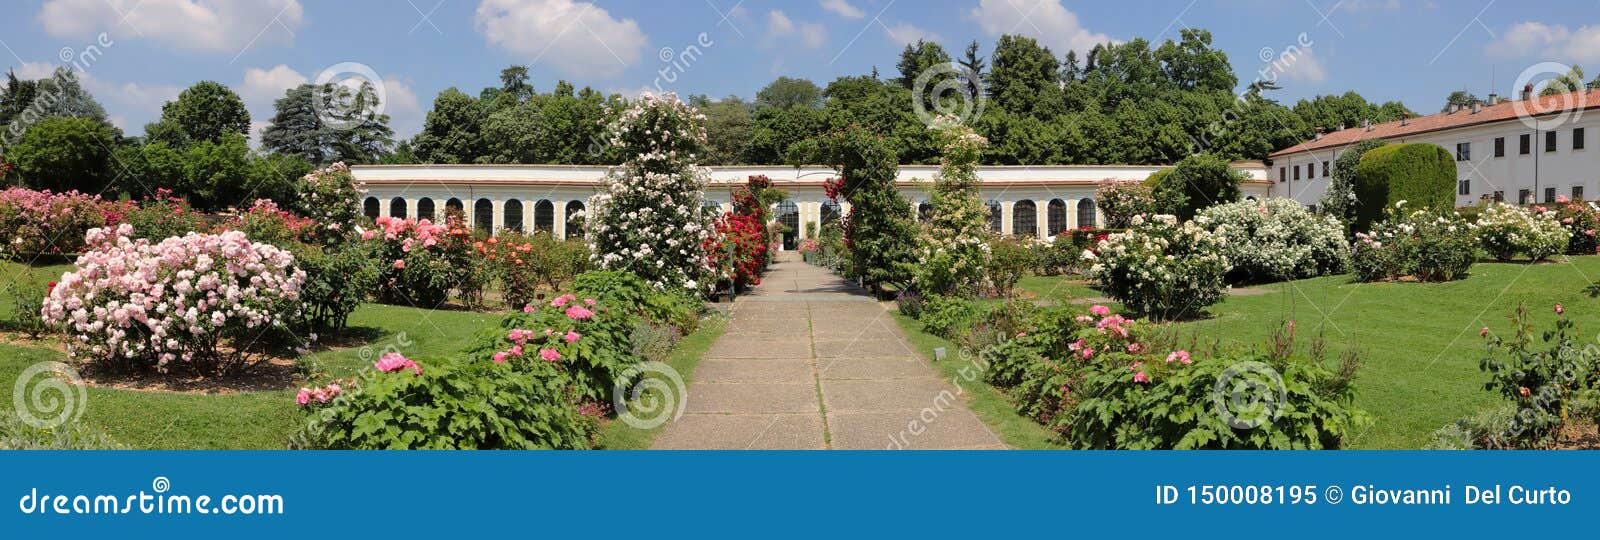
{"x":134,"y":55}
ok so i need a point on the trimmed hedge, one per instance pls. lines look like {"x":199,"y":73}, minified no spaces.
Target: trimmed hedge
{"x":1422,"y":174}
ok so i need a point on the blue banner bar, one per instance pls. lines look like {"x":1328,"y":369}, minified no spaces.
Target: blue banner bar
{"x":819,"y":495}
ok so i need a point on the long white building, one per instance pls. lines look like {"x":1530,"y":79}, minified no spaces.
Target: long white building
{"x":1528,"y":150}
{"x":1026,"y":200}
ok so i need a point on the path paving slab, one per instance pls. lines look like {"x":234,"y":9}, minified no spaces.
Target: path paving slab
{"x":910,"y":430}
{"x":744,"y":431}
{"x":804,"y":338}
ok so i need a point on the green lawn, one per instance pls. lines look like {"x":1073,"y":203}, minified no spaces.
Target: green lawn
{"x":1420,"y":341}
{"x":266,"y":419}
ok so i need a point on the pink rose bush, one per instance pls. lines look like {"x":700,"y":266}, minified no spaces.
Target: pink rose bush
{"x":332,"y":197}
{"x":580,"y":336}
{"x":421,"y":261}
{"x":196,"y":301}
{"x":43,"y":222}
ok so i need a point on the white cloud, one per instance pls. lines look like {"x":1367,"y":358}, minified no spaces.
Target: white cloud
{"x":404,"y":109}
{"x":906,"y":33}
{"x":578,"y":38}
{"x":229,"y":26}
{"x":780,"y":27}
{"x":32,"y":71}
{"x":263,"y":86}
{"x":1552,"y":42}
{"x":1356,"y":6}
{"x":1045,"y":20}
{"x":843,"y":9}
{"x":1305,"y":68}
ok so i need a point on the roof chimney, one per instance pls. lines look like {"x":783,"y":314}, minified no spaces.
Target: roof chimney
{"x":1405,"y":118}
{"x":1318,"y":136}
{"x":1527,"y":91}
{"x":1366,"y":123}
{"x":1452,"y":108}
{"x":1494,"y":99}
{"x":1476,"y":107}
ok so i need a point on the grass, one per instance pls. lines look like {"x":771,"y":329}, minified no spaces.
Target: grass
{"x":1419,"y":341}
{"x":141,"y":419}
{"x":988,"y":403}
{"x":616,"y":435}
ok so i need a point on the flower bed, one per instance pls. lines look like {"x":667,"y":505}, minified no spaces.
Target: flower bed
{"x":198,"y":300}
{"x":1506,"y":230}
{"x":1580,"y":223}
{"x":1277,"y":239}
{"x":1423,"y":245}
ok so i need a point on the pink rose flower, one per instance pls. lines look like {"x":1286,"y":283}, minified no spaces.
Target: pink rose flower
{"x":1141,"y":378}
{"x":579,"y":313}
{"x":1560,"y":310}
{"x":549,"y":355}
{"x":1099,"y":310}
{"x":1181,"y":357}
{"x":303,"y":397}
{"x":588,"y":301}
{"x":572,"y":337}
{"x":500,"y":357}
{"x":1483,"y":332}
{"x":399,"y":264}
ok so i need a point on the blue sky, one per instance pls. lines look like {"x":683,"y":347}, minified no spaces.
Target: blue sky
{"x":1415,"y":51}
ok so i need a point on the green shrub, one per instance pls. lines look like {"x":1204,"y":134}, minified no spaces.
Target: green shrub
{"x":1421,"y":175}
{"x":453,"y":404}
{"x":338,"y":279}
{"x":26,"y":300}
{"x":1199,"y":181}
{"x":18,"y":435}
{"x":1162,"y":269}
{"x":1428,"y":246}
{"x":592,"y":343}
{"x":1543,"y":380}
{"x":1009,"y":259}
{"x":1277,"y":239}
{"x":1508,"y":230}
{"x":949,"y":316}
{"x":1482,"y":431}
{"x":164,"y":216}
{"x":624,"y":290}
{"x":1340,"y":199}
{"x":1056,"y":257}
{"x":1581,"y":224}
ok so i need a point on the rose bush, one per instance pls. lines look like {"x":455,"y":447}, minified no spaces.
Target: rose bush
{"x":953,"y":250}
{"x":1506,"y":230}
{"x":332,"y":197}
{"x":1120,"y":200}
{"x":1277,"y":239}
{"x":1580,"y":223}
{"x":45,"y":223}
{"x":197,"y":301}
{"x":1161,"y":269}
{"x":420,"y":261}
{"x":524,"y":263}
{"x":650,"y":216}
{"x":1425,"y":245}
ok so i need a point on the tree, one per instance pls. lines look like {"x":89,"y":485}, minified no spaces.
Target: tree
{"x":62,"y":154}
{"x":1023,"y":77}
{"x":972,"y":66}
{"x":453,"y":131}
{"x":1340,"y":199}
{"x":878,"y":230}
{"x":329,"y":123}
{"x":514,"y":83}
{"x":1421,"y":174}
{"x":1460,"y":99}
{"x":203,"y":112}
{"x":17,"y":95}
{"x":67,"y":99}
{"x":729,"y":129}
{"x":1192,"y":64}
{"x":1332,"y":113}
{"x":1571,"y":81}
{"x":1197,"y":182}
{"x":216,"y":175}
{"x":789,"y":92}
{"x":918,"y":58}
{"x":776,"y":132}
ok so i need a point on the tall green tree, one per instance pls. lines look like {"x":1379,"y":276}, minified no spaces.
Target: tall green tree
{"x":1022,"y":77}
{"x":204,"y":112}
{"x":62,"y":154}
{"x":1460,"y":98}
{"x":452,"y":132}
{"x":329,"y":123}
{"x":1571,"y":81}
{"x":918,"y":58}
{"x":1192,"y":64}
{"x":729,"y":128}
{"x":789,"y":92}
{"x":1347,"y":110}
{"x":972,"y":68}
{"x":879,"y":229}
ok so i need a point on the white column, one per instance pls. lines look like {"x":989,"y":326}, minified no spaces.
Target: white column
{"x":1005,"y":216}
{"x":559,"y":228}
{"x":1072,"y":214}
{"x":411,"y":208}
{"x":383,"y":206}
{"x":498,"y":210}
{"x":1041,"y":217}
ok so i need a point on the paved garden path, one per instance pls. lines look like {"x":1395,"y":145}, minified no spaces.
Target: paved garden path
{"x":810,"y":361}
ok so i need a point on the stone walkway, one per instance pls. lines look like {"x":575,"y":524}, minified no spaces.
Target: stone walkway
{"x":810,"y":361}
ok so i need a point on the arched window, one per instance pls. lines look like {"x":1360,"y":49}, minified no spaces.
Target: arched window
{"x":712,"y":207}
{"x":483,"y":215}
{"x":994,"y":215}
{"x":575,"y":219}
{"x":1024,"y":218}
{"x":513,"y":219}
{"x":544,"y":216}
{"x":397,"y":207}
{"x":1056,"y":216}
{"x":454,"y":206}
{"x":830,"y":212}
{"x":1086,"y":213}
{"x":425,"y":209}
{"x":924,"y":211}
{"x":789,"y":217}
{"x":369,"y":207}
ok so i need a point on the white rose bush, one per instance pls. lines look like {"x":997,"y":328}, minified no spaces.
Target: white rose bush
{"x":198,"y":301}
{"x":1277,"y":239}
{"x":1506,"y":230}
{"x":649,"y":217}
{"x":1160,"y":268}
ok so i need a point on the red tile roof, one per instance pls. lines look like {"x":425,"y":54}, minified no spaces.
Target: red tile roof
{"x":1504,"y":111}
